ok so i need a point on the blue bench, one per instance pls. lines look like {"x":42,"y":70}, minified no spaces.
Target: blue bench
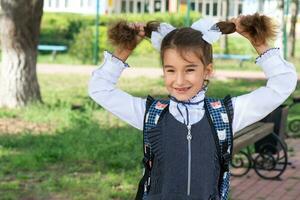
{"x":241,"y":58}
{"x":53,"y":48}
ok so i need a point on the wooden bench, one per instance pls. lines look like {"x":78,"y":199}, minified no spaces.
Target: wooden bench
{"x":251,"y":134}
{"x":239,"y":57}
{"x":269,"y":161}
{"x":53,"y":48}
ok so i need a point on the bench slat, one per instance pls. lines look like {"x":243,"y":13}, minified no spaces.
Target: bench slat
{"x":52,"y":48}
{"x":252,"y":136}
{"x":232,"y":56}
{"x":247,"y":129}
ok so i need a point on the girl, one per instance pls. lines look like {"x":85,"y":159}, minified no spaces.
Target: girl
{"x":186,"y":57}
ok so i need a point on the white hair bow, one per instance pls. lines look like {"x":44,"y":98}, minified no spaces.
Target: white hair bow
{"x":162,"y":31}
{"x":206,"y":26}
{"x":211,"y":32}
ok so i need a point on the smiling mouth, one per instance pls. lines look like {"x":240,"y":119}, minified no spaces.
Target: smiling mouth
{"x":182,"y":90}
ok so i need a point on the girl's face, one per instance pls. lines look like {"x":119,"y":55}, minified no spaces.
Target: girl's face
{"x":184,"y":79}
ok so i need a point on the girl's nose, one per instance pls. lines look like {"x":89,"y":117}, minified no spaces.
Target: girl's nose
{"x":180,"y":79}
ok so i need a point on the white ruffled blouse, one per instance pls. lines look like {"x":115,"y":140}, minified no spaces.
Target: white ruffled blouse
{"x":248,"y":108}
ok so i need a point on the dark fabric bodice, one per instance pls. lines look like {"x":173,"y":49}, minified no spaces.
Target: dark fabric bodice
{"x":169,"y":174}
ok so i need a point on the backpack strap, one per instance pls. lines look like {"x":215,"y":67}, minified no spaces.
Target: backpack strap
{"x":220,"y":115}
{"x":154,"y":110}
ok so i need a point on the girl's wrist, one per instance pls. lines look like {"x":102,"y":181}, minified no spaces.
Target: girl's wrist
{"x":122,"y":54}
{"x":261,"y":48}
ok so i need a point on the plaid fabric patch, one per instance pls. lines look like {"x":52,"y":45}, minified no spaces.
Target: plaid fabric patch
{"x":218,"y":114}
{"x":224,"y":191}
{"x":153,"y":115}
{"x":151,"y":120}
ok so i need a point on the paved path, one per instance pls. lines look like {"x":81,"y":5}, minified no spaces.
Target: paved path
{"x":252,"y":187}
{"x":137,"y":72}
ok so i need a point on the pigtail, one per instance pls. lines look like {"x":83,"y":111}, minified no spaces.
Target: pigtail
{"x":261,"y":28}
{"x":122,"y":35}
{"x":151,"y":26}
{"x":226,"y":27}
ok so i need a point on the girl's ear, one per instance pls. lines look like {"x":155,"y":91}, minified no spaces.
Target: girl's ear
{"x":208,"y":70}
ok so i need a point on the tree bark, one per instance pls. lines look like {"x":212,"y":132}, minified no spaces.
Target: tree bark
{"x":292,"y":34}
{"x":20,"y":22}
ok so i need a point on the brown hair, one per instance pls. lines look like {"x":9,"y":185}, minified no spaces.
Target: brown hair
{"x":122,"y":35}
{"x":260,"y":28}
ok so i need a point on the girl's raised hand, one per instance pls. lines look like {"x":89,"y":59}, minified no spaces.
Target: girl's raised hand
{"x":125,"y":37}
{"x":239,"y":28}
{"x":257,"y":29}
{"x":139,"y":27}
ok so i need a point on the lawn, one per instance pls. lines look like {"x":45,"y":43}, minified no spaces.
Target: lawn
{"x":70,"y":148}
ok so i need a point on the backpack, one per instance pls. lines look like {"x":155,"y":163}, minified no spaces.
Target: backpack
{"x":219,"y":113}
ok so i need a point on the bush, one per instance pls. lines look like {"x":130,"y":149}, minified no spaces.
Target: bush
{"x":61,"y":28}
{"x":82,"y":47}
{"x":57,"y":28}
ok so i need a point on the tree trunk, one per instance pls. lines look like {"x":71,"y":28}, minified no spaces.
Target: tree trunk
{"x":20,"y":22}
{"x":292,"y":34}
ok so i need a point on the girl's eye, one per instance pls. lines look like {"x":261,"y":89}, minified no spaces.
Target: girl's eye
{"x":170,"y":70}
{"x":190,"y":70}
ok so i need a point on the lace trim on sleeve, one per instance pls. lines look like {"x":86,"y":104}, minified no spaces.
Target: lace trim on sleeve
{"x":109,"y":56}
{"x":267,"y":54}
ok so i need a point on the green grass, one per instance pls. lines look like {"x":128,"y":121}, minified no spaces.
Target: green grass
{"x":87,"y":153}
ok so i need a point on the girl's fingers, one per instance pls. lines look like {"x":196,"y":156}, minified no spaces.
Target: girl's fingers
{"x":131,"y":25}
{"x":140,"y":28}
{"x":233,"y":20}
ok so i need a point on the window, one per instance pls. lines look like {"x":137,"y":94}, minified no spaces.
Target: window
{"x":89,"y":3}
{"x":207,"y":9}
{"x":81,"y":3}
{"x":193,"y":6}
{"x":167,"y":5}
{"x":49,"y":3}
{"x":57,"y":3}
{"x":131,"y":6}
{"x":157,"y":6}
{"x":139,"y":7}
{"x":123,"y":6}
{"x":66,"y":3}
{"x":200,"y":7}
{"x":215,"y":9}
{"x":147,"y":7}
{"x":240,"y":8}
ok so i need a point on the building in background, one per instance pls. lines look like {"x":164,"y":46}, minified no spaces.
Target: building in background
{"x":214,"y":8}
{"x":74,"y":6}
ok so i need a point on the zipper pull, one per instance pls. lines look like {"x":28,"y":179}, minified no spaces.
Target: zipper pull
{"x":189,"y":135}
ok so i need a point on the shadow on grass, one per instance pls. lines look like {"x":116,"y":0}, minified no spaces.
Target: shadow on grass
{"x":85,"y":161}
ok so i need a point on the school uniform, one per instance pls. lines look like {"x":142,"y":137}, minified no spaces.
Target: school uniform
{"x":169,"y":174}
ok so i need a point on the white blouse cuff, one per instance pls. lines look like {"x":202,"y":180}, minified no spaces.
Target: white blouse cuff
{"x":112,"y":65}
{"x":272,"y":62}
{"x":109,"y":56}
